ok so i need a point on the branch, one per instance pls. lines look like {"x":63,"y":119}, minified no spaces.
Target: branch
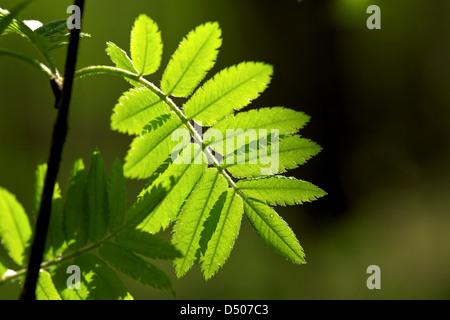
{"x":60,"y":130}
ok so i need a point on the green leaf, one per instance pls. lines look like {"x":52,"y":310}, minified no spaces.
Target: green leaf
{"x":56,"y":238}
{"x":52,"y":28}
{"x":120,"y":58}
{"x":45,"y":289}
{"x":16,"y":25}
{"x":25,"y":29}
{"x":210,"y":225}
{"x":273,"y":230}
{"x":187,"y":231}
{"x":55,"y":242}
{"x":117,"y":196}
{"x":3,"y":270}
{"x":223,"y":238}
{"x":136,"y":267}
{"x":76,"y":219}
{"x":62,"y":277}
{"x":235,"y":127}
{"x":280,"y":190}
{"x":148,"y":152}
{"x":102,"y":282}
{"x":231,"y":89}
{"x":194,"y":57}
{"x":148,"y":245}
{"x":145,"y":46}
{"x":292,"y":152}
{"x":15,"y":230}
{"x":136,"y":108}
{"x":8,"y":18}
{"x":97,"y":280}
{"x":177,"y":181}
{"x":40,"y":172}
{"x":97,"y":198}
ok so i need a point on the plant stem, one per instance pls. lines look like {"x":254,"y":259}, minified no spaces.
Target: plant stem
{"x":60,"y":130}
{"x":35,"y":63}
{"x":123,"y":73}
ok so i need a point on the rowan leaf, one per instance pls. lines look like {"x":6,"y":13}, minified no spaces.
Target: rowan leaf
{"x":222,"y":241}
{"x":45,"y":289}
{"x":145,"y":46}
{"x":97,"y":198}
{"x":147,"y":244}
{"x":137,"y":108}
{"x":15,"y":230}
{"x":117,"y":196}
{"x":76,"y":219}
{"x":187,"y":231}
{"x":149,"y":151}
{"x":120,"y":57}
{"x":273,"y":230}
{"x":194,"y":57}
{"x":134,"y":266}
{"x":231,"y":89}
{"x":280,"y":190}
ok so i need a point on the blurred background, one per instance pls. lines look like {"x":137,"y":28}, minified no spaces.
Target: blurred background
{"x":379,"y":102}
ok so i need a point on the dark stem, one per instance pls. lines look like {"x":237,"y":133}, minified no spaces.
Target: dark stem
{"x":58,"y":139}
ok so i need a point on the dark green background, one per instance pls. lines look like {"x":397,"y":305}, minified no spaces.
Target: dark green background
{"x":380,"y":107}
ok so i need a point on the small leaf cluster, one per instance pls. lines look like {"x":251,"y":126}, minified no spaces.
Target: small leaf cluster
{"x":89,"y":229}
{"x":45,"y":37}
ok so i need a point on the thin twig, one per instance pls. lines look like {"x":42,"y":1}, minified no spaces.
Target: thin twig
{"x":60,"y":130}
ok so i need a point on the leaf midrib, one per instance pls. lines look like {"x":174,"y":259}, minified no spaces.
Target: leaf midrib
{"x":16,"y":226}
{"x":198,"y":221}
{"x":146,"y":154}
{"x":191,"y":62}
{"x":210,"y":264}
{"x":240,"y":84}
{"x":270,"y":227}
{"x":147,"y":106}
